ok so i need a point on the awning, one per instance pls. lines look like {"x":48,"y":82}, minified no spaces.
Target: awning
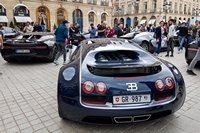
{"x":143,"y":21}
{"x":20,"y":19}
{"x":3,"y":19}
{"x":152,"y":21}
{"x":180,"y":21}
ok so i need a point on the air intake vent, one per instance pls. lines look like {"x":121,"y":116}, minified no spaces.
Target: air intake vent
{"x":117,"y":56}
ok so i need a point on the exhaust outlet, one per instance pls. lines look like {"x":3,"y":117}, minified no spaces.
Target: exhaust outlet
{"x":125,"y":119}
{"x":141,"y":118}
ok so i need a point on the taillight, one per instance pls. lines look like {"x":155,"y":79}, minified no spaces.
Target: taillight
{"x":160,"y":86}
{"x":101,"y":88}
{"x":169,"y":83}
{"x":88,"y":87}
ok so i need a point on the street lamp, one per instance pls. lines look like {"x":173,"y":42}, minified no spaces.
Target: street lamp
{"x":196,"y":11}
{"x":166,"y":6}
{"x":118,"y":11}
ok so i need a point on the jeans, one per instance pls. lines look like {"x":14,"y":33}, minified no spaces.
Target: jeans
{"x":181,"y":40}
{"x":43,"y":27}
{"x":157,"y":51}
{"x":101,"y":36}
{"x":170,"y":46}
{"x":61,"y":49}
{"x":195,"y":60}
{"x":189,"y":39}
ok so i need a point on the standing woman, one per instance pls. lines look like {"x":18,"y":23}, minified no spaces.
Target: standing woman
{"x":110,"y":32}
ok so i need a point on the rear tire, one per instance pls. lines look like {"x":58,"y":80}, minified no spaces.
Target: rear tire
{"x":55,"y":50}
{"x":145,"y":46}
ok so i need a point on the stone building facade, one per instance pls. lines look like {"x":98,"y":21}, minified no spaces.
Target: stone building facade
{"x":136,"y":12}
{"x":82,"y":11}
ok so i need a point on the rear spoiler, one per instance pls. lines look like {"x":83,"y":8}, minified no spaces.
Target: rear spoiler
{"x":125,"y":70}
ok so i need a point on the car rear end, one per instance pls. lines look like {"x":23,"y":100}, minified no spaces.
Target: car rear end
{"x":191,"y":51}
{"x":25,"y":49}
{"x":124,"y":86}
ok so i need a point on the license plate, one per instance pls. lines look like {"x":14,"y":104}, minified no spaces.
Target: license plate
{"x":22,"y":51}
{"x":75,"y":40}
{"x":130,"y":99}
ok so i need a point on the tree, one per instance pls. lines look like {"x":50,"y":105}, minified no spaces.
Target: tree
{"x":54,"y":27}
{"x":12,"y":25}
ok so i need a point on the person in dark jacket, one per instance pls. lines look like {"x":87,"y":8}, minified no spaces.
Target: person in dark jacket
{"x":183,"y":32}
{"x":37,"y":27}
{"x":159,"y":32}
{"x":120,"y":31}
{"x":197,"y":56}
{"x":61,"y":36}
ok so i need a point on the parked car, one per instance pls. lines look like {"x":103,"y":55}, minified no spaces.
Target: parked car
{"x":77,"y":38}
{"x":30,"y":45}
{"x":129,"y":35}
{"x":190,"y":52}
{"x":112,"y":81}
{"x":147,"y":41}
{"x":9,"y":33}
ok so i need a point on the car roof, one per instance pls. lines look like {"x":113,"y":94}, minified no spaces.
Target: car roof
{"x":38,"y":33}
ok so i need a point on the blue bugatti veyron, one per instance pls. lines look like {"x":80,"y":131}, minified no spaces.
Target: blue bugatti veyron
{"x":111,"y":81}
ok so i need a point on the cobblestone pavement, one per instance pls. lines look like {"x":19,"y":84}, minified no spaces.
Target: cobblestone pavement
{"x":28,"y":103}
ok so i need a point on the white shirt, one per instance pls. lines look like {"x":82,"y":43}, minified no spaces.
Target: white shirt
{"x":171,"y":31}
{"x":28,"y":28}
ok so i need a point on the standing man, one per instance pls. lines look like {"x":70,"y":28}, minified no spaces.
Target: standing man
{"x":120,"y":31}
{"x":197,"y":56}
{"x":28,"y":27}
{"x":195,"y":28}
{"x":42,"y":21}
{"x":92,"y":31}
{"x":143,"y":28}
{"x":102,"y":30}
{"x":170,"y":36}
{"x":76,"y":28}
{"x":61,"y":36}
{"x":183,"y":32}
{"x":159,"y":32}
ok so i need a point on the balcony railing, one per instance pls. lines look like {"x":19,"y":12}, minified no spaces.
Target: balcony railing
{"x":171,"y":11}
{"x":175,"y":11}
{"x":77,"y":1}
{"x":136,"y":11}
{"x":189,"y":13}
{"x":185,"y":12}
{"x":128,"y":12}
{"x":93,"y":2}
{"x":153,"y":10}
{"x":104,"y":3}
{"x":144,"y":11}
{"x":180,"y":12}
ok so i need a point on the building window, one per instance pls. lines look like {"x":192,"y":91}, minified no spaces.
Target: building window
{"x":175,"y":7}
{"x":185,"y":8}
{"x":180,"y":7}
{"x":122,"y":9}
{"x":91,"y":17}
{"x":21,"y":11}
{"x":189,"y":10}
{"x":103,"y":17}
{"x":129,"y":8}
{"x":145,"y":7}
{"x":60,"y":16}
{"x":154,"y":5}
{"x":170,"y":8}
